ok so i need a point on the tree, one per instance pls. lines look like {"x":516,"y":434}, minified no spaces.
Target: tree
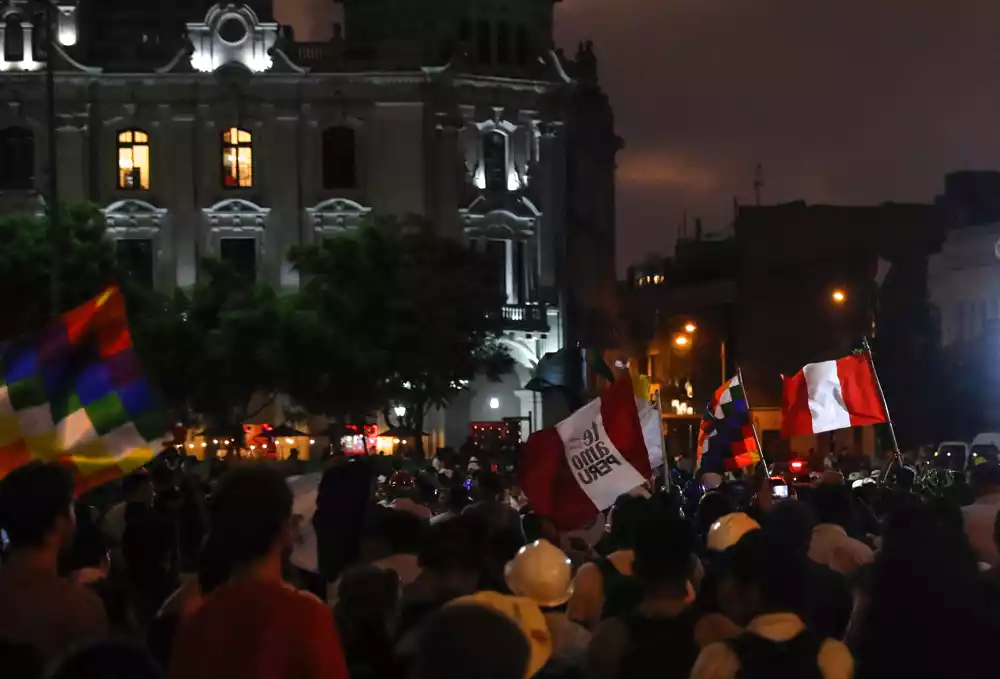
{"x":216,"y":351}
{"x":419,"y":314}
{"x":87,"y":264}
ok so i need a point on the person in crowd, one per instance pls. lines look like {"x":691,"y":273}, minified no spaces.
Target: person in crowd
{"x":830,"y":544}
{"x":253,"y":625}
{"x":149,"y":550}
{"x":461,"y":641}
{"x":405,"y":495}
{"x":543,"y":573}
{"x":827,"y":610}
{"x":393,"y":544}
{"x":712,"y":507}
{"x":980,"y":517}
{"x":137,"y":495}
{"x":493,"y":510}
{"x":366,"y":617}
{"x":663,"y":625}
{"x":605,"y":588}
{"x":40,"y":609}
{"x":108,"y":660}
{"x":906,"y":628}
{"x":456,"y":500}
{"x":450,"y":567}
{"x":762,"y":591}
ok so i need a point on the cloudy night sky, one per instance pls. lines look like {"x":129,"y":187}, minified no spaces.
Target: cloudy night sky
{"x":855,"y":101}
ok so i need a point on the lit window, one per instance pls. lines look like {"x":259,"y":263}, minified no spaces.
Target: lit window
{"x":237,"y":159}
{"x":17,"y":158}
{"x":13,"y":40}
{"x":133,"y":160}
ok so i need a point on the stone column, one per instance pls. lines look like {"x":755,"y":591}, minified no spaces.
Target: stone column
{"x":449,"y":168}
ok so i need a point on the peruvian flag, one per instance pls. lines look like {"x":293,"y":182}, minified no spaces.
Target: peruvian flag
{"x":831,"y":395}
{"x":609,"y":447}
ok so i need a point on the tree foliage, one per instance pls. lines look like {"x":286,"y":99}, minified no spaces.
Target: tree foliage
{"x":389,"y":314}
{"x":421,"y":313}
{"x":87,"y":264}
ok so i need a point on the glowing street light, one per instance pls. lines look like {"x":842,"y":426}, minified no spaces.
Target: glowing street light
{"x":681,"y":340}
{"x":690,"y":327}
{"x":839,"y":297}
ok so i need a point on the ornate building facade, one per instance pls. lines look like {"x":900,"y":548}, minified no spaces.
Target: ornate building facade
{"x":206,"y":130}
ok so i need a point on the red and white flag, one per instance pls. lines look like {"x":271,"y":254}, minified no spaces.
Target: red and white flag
{"x":607,"y":448}
{"x":831,"y":395}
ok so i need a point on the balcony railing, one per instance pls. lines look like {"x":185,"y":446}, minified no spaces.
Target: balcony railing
{"x":525,"y":317}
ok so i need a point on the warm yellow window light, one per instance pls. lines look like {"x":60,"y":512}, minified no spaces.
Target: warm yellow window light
{"x":133,"y":160}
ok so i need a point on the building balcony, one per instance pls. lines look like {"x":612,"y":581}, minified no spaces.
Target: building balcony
{"x":525,"y":317}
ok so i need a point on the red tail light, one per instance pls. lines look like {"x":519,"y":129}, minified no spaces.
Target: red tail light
{"x":796,"y":465}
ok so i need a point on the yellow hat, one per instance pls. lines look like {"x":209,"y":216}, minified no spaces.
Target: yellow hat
{"x":728,"y":530}
{"x":524,"y":613}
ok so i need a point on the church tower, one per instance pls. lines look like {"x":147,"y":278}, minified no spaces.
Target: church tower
{"x":494,"y":36}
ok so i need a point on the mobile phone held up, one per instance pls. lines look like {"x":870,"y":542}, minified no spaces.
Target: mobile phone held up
{"x":779,"y":492}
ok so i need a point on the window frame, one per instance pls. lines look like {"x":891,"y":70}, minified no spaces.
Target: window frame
{"x":132,"y":145}
{"x":13,"y":21}
{"x":330,"y":162}
{"x":236,"y":145}
{"x":505,"y":160}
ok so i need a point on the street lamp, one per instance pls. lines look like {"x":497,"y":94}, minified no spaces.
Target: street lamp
{"x":681,"y":340}
{"x":839,"y":296}
{"x":690,"y":327}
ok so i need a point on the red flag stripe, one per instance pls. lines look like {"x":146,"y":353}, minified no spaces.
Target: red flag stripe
{"x":621,"y":421}
{"x":861,"y":396}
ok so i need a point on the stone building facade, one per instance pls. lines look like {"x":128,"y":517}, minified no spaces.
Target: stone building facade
{"x":206,"y":130}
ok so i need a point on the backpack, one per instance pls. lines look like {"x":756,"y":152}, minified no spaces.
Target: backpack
{"x":659,"y":647}
{"x":760,"y":658}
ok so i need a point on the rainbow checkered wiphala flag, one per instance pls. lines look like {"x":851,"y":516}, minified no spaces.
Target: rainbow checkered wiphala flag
{"x":726,"y":440}
{"x":74,"y":393}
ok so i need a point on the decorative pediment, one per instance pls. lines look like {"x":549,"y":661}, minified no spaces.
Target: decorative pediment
{"x":336,"y":214}
{"x":232,"y":34}
{"x":135,"y":218}
{"x":237,"y":213}
{"x":506,"y":213}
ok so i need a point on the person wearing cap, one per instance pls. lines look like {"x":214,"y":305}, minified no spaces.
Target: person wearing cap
{"x":528,"y":618}
{"x":543,"y":573}
{"x":664,"y":625}
{"x":762,"y":590}
{"x":980,"y":517}
{"x":830,"y":544}
{"x":605,"y":587}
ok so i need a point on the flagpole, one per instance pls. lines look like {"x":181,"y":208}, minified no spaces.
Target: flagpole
{"x":753,"y":422}
{"x":885,"y":406}
{"x":663,"y":445}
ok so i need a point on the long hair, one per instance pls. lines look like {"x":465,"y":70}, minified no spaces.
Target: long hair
{"x":926,"y":593}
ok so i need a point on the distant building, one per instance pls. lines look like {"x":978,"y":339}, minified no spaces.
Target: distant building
{"x":679,"y":315}
{"x":965,"y":275}
{"x":206,"y":130}
{"x":793,"y":258}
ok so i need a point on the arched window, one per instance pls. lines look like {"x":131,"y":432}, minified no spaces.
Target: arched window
{"x":40,"y":25}
{"x":17,"y":158}
{"x":484,"y":41}
{"x":13,"y":39}
{"x":495,"y":160}
{"x":237,"y":159}
{"x":523,"y":46}
{"x":339,"y":158}
{"x":133,"y":159}
{"x":503,"y":43}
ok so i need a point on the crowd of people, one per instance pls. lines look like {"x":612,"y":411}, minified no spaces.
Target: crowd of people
{"x":445,"y":575}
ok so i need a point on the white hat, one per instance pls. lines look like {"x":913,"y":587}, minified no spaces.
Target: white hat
{"x":541,"y":572}
{"x":728,"y":530}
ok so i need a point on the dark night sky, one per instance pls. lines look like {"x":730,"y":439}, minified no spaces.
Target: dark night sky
{"x":851,"y":101}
